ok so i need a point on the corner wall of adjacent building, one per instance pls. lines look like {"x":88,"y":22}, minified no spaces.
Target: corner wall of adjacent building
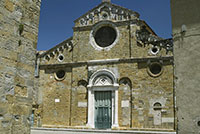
{"x":19,"y":22}
{"x":186,"y":33}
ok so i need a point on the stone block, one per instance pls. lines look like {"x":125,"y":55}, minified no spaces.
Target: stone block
{"x":125,"y":103}
{"x":21,"y":91}
{"x":82,"y":104}
{"x":11,"y":55}
{"x":167,"y":120}
{"x":30,"y":36}
{"x":9,"y":5}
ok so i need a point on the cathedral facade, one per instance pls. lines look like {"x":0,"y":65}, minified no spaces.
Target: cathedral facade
{"x":114,"y":73}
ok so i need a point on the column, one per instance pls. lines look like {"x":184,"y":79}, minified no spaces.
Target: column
{"x":116,"y":110}
{"x":90,"y":123}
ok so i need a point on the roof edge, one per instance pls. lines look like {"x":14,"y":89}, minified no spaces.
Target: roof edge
{"x":148,"y":27}
{"x":57,"y":46}
{"x":138,"y":15}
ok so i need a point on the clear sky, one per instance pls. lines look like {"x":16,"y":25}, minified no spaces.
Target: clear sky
{"x":57,"y":17}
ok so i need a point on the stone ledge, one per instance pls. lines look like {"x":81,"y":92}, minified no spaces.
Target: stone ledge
{"x":107,"y":61}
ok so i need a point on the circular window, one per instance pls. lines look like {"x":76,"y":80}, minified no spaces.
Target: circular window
{"x":154,"y":50}
{"x":105,"y":36}
{"x":60,"y":58}
{"x":60,"y":75}
{"x":155,"y":69}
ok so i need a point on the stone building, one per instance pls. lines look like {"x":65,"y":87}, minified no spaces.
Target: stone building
{"x":19,"y":20}
{"x":186,"y":32}
{"x":114,"y":73}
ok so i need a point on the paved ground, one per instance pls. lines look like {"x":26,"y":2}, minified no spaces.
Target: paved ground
{"x":79,"y":131}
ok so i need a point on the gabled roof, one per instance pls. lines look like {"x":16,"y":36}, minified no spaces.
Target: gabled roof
{"x":119,"y":9}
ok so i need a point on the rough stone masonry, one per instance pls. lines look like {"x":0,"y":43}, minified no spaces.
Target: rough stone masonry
{"x":89,"y":65}
{"x":19,"y":21}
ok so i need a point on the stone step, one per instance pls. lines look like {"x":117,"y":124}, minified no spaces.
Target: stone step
{"x":89,"y":131}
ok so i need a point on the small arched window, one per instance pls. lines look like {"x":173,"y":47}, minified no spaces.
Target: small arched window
{"x":157,"y":106}
{"x":125,"y":81}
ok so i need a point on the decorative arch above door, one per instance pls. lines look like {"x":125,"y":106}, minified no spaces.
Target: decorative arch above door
{"x":100,"y":115}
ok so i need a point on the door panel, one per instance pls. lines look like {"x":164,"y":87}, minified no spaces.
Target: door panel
{"x":103,"y":109}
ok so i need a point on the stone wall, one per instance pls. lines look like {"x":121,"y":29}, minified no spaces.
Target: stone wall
{"x":186,"y":32}
{"x":136,"y":97}
{"x":18,"y":36}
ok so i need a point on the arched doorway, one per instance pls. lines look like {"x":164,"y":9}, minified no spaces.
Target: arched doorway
{"x":103,"y":100}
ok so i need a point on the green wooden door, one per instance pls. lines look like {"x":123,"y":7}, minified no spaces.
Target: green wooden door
{"x":103,"y":109}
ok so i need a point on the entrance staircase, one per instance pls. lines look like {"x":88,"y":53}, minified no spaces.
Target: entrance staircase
{"x":90,"y":131}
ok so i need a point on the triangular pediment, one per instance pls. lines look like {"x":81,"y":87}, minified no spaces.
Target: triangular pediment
{"x":102,"y":80}
{"x":106,"y":11}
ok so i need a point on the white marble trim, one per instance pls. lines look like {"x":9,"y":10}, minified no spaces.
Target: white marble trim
{"x":91,"y":100}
